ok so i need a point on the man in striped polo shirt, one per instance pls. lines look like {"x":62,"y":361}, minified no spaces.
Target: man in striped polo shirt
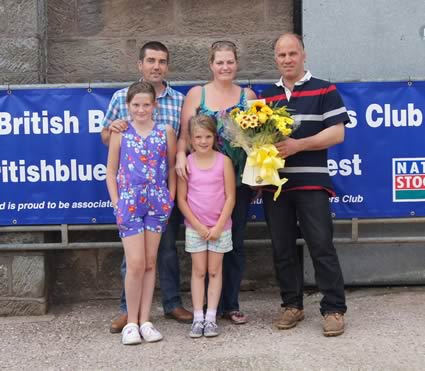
{"x":305,"y":197}
{"x":153,"y":67}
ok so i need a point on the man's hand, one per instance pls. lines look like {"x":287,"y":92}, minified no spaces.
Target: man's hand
{"x":182,"y":166}
{"x":322,"y":140}
{"x":118,"y":126}
{"x":289,"y":147}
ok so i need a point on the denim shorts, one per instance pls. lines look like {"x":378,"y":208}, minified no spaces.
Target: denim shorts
{"x":194,"y":242}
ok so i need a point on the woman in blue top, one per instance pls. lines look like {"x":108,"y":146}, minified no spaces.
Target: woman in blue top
{"x":219,"y":95}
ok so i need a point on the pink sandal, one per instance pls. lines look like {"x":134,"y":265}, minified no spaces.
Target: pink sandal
{"x":236,"y":317}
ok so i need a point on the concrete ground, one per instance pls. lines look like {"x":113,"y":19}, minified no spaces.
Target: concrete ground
{"x":385,"y":331}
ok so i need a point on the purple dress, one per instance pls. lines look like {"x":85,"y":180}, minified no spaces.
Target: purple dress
{"x":144,"y":200}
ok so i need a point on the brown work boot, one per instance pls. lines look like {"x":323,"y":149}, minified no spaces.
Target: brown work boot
{"x":333,"y":324}
{"x":180,"y":315}
{"x":118,"y":323}
{"x":289,"y":318}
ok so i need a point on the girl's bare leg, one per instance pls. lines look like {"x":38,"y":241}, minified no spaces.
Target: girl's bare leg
{"x":152,"y":240}
{"x":215,"y":267}
{"x":197,"y":283}
{"x":135,"y":257}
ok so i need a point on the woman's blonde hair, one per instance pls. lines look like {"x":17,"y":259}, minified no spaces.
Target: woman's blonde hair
{"x":222,"y":45}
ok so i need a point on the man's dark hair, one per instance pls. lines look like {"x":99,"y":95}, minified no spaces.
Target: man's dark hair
{"x":153,"y":45}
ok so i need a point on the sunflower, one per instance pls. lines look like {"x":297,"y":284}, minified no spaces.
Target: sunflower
{"x":257,"y":107}
{"x":244,"y":125}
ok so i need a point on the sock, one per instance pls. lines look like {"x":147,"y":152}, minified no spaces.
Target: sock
{"x":211,"y":314}
{"x":198,"y":315}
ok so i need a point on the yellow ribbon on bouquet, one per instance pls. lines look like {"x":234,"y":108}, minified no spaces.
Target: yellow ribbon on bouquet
{"x":266,"y":158}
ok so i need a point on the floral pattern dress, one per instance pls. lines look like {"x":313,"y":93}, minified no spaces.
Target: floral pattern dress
{"x":144,"y":200}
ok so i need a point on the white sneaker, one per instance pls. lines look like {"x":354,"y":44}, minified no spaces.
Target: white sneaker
{"x":149,"y":333}
{"x":130,"y":334}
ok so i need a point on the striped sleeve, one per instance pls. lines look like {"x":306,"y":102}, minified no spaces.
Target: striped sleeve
{"x":334,"y":111}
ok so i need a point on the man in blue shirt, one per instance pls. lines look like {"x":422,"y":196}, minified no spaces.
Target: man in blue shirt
{"x":153,"y":67}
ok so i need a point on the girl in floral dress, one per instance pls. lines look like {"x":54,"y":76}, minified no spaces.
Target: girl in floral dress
{"x":141,"y":182}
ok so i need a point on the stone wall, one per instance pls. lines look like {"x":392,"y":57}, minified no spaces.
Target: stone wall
{"x":68,"y":41}
{"x":23,"y":278}
{"x":98,"y":40}
{"x":22,"y":41}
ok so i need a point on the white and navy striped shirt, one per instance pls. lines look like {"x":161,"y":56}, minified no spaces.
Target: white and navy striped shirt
{"x":317,"y":105}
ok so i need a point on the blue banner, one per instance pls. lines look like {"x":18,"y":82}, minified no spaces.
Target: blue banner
{"x":379,"y":170}
{"x":53,"y":164}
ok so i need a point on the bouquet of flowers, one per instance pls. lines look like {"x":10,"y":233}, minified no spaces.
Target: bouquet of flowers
{"x":256,"y":130}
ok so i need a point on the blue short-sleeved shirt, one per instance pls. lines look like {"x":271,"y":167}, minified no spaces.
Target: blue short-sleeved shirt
{"x":168,"y":111}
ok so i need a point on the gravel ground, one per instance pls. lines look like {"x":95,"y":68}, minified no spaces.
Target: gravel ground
{"x":385,"y":331}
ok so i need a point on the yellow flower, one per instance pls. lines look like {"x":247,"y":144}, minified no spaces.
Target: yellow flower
{"x":240,"y":117}
{"x":254,"y":118}
{"x":282,"y":120}
{"x":262,"y":117}
{"x":234,"y":111}
{"x":288,"y":120}
{"x":277,"y":120}
{"x":286,"y":132}
{"x":267,"y":110}
{"x":282,"y":111}
{"x":281,"y":126}
{"x":256,"y":107}
{"x":246,"y":121}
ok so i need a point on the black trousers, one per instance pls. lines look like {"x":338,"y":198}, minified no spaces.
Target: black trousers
{"x":311,"y":208}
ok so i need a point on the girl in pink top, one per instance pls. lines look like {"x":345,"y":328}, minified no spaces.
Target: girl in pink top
{"x":206,"y":200}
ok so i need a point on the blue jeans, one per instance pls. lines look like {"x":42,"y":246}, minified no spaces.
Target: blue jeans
{"x":234,"y":261}
{"x":312,"y":210}
{"x":168,"y":266}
